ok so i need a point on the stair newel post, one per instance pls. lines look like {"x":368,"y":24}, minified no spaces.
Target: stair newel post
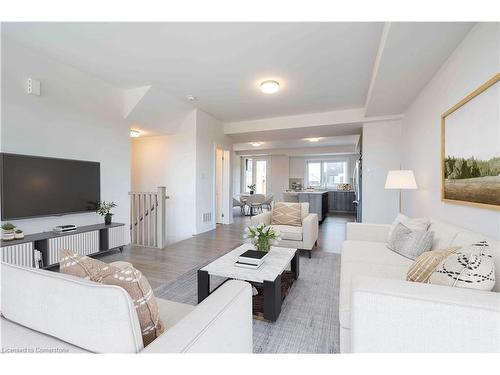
{"x":162,"y":217}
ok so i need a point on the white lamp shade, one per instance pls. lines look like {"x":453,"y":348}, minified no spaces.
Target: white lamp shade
{"x":400,"y":179}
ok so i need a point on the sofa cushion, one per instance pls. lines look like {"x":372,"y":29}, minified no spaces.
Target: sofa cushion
{"x":128,"y":278}
{"x":444,"y":234}
{"x":371,"y":252}
{"x":287,"y":214}
{"x":365,"y":258}
{"x":172,"y":312}
{"x":289,"y":232}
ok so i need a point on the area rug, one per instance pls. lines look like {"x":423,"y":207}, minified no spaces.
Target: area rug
{"x":308,"y":322}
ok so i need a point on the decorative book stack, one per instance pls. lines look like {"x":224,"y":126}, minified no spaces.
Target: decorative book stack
{"x":252,"y":259}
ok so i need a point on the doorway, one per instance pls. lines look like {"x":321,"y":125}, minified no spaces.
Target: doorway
{"x":222,"y":187}
{"x":255,"y":172}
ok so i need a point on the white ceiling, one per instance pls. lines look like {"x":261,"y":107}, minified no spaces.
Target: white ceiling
{"x":319,"y":65}
{"x":346,"y":140}
{"x":409,"y":55}
{"x":375,"y":68}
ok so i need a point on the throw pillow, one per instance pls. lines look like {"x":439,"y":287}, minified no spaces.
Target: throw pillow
{"x":426,"y":263}
{"x":410,"y":243}
{"x":285,"y":213}
{"x":421,"y":223}
{"x":139,"y":289}
{"x":463,"y":269}
{"x":129,"y":278}
{"x":78,"y":265}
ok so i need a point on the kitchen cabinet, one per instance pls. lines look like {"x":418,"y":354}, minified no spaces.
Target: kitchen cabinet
{"x":341,"y":201}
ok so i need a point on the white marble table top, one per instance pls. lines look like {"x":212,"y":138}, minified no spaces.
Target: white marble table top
{"x":274,"y":264}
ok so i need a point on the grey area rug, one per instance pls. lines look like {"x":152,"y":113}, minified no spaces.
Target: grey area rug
{"x":308,"y":322}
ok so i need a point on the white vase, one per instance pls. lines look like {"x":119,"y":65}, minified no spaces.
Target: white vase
{"x":19,"y":236}
{"x":8,"y":235}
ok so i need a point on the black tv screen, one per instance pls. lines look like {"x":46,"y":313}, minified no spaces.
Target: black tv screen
{"x":40,"y":186}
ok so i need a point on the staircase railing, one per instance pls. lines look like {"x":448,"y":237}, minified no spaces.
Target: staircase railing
{"x":148,"y":218}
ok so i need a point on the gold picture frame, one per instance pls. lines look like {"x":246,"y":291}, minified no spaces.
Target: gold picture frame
{"x":465,"y":190}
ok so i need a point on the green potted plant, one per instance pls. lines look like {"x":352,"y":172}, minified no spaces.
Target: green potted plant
{"x":19,"y":234}
{"x":262,"y":236}
{"x":104,"y":209}
{"x":8,"y":233}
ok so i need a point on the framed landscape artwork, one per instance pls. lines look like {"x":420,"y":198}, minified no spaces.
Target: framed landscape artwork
{"x":470,"y":148}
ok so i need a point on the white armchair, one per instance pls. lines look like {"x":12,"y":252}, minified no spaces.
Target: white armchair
{"x":304,"y":237}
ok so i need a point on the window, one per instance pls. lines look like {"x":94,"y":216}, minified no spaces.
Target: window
{"x":254,"y":171}
{"x":326,"y":174}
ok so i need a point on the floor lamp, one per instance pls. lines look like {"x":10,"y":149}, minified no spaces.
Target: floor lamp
{"x":402,"y":180}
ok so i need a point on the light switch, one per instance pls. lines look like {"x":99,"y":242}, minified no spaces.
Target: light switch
{"x":33,"y":86}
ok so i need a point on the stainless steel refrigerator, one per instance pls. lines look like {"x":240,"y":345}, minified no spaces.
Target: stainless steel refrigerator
{"x":356,"y":183}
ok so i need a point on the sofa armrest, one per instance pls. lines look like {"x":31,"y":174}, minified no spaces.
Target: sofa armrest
{"x":263,"y":218}
{"x":310,"y":227}
{"x":398,"y":316}
{"x":367,"y":232}
{"x":222,"y":323}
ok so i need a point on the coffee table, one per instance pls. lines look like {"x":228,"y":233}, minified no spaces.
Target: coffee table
{"x":268,"y":275}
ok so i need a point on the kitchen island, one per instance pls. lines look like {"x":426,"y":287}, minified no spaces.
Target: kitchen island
{"x":318,"y":201}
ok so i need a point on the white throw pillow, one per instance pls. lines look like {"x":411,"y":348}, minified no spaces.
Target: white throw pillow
{"x":471,"y":267}
{"x":419,"y":223}
{"x":410,"y":243}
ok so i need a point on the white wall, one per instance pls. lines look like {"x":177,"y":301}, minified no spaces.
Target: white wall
{"x":209,"y":135}
{"x":170,"y":161}
{"x":381,"y":153}
{"x":76,"y":117}
{"x":279,"y":174}
{"x":475,"y":60}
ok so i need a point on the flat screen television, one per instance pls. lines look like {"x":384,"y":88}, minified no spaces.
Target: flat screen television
{"x":33,"y":186}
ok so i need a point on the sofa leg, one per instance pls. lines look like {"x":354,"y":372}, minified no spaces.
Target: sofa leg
{"x":310,"y":251}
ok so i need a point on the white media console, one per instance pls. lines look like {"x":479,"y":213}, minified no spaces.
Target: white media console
{"x":86,"y":240}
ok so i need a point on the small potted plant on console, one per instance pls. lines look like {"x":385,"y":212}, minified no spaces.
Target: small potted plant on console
{"x":104,"y":209}
{"x":8,"y":233}
{"x":19,"y":234}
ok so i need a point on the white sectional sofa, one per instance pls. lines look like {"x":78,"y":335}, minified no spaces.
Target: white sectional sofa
{"x":304,"y":237}
{"x":45,"y":311}
{"x":381,"y":312}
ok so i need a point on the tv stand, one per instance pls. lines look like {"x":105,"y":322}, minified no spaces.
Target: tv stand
{"x":88,"y":240}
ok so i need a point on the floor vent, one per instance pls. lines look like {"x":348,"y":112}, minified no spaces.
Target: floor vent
{"x":207,"y":217}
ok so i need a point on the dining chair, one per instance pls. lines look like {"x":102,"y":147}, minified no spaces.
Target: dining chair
{"x":268,"y":201}
{"x":240,"y":204}
{"x":254,"y":202}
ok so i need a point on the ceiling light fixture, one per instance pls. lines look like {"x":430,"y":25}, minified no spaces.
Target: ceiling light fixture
{"x":255,"y":144}
{"x":313,"y":139}
{"x":191,"y":98}
{"x":269,"y":87}
{"x":135,"y":133}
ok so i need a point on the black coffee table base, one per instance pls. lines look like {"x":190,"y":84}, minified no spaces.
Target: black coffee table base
{"x":272,"y":291}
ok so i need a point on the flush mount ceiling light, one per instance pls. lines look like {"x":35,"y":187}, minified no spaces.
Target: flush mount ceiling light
{"x":191,"y":98}
{"x":313,"y":139}
{"x":255,"y":144}
{"x":135,"y":133}
{"x":269,"y":87}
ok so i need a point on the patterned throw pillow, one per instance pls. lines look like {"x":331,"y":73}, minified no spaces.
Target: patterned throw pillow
{"x":471,"y":268}
{"x":426,"y":263}
{"x":129,"y":278}
{"x":410,"y":243}
{"x":286,"y":214}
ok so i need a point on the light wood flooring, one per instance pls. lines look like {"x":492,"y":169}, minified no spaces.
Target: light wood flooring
{"x":167,"y":264}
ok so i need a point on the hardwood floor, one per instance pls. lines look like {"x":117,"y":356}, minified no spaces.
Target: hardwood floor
{"x":163,"y":265}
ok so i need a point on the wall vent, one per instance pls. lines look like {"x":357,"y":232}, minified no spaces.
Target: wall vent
{"x":206,"y":217}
